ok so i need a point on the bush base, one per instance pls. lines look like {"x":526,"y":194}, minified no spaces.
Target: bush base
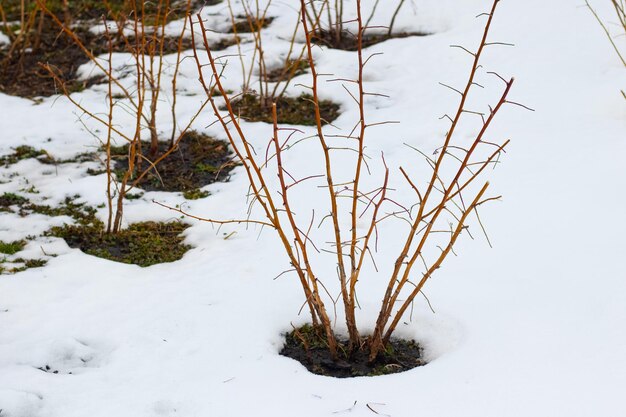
{"x":307,"y":346}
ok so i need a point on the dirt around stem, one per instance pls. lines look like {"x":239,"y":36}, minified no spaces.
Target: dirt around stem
{"x":198,"y":160}
{"x":305,"y":345}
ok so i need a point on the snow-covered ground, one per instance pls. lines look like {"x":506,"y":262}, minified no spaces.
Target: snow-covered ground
{"x":535,"y":326}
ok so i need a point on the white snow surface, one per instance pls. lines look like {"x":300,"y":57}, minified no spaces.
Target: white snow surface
{"x":535,"y":326}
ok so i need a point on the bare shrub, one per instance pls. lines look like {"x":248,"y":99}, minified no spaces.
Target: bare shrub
{"x":264,"y":84}
{"x":438,"y":215}
{"x":141,"y":32}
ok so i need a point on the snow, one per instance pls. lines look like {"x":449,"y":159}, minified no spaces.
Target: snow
{"x":532,"y":327}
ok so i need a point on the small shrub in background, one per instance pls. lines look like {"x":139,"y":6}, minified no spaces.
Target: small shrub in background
{"x":140,"y":28}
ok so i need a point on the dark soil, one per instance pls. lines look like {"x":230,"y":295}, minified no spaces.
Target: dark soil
{"x":82,"y":9}
{"x":222,"y":44}
{"x":20,"y":72}
{"x":9,"y":199}
{"x":95,"y":9}
{"x":307,"y":347}
{"x":290,"y":110}
{"x":143,"y":244}
{"x":297,"y":67}
{"x":349,"y":42}
{"x":243,"y":25}
{"x":199,"y":160}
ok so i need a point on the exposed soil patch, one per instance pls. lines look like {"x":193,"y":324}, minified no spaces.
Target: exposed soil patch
{"x":349,"y":42}
{"x":290,"y":110}
{"x":13,"y":266}
{"x":26,"y":152}
{"x":11,"y":248}
{"x":95,"y":9}
{"x":80,"y":212}
{"x":20,"y":72}
{"x":10,"y":199}
{"x":143,"y":244}
{"x":292,"y":69}
{"x":199,"y":160}
{"x":223,"y":43}
{"x":245,"y":25}
{"x":307,"y":347}
{"x":81,"y":9}
{"x":10,"y":264}
{"x":195,"y":194}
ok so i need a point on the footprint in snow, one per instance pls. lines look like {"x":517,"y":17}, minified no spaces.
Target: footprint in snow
{"x":70,"y":356}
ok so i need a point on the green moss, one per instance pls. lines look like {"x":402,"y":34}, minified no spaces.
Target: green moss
{"x":195,"y":194}
{"x":201,"y":167}
{"x":93,"y":172}
{"x":19,"y":265}
{"x":80,"y":212}
{"x":121,"y":150}
{"x":308,"y":337}
{"x":31,"y":190}
{"x":142,"y":244}
{"x":34,"y":263}
{"x":289,"y":110}
{"x":10,"y":199}
{"x":30,"y":263}
{"x":217,"y":93}
{"x":25,"y":152}
{"x":133,"y":196}
{"x":11,"y":248}
{"x":243,"y":25}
